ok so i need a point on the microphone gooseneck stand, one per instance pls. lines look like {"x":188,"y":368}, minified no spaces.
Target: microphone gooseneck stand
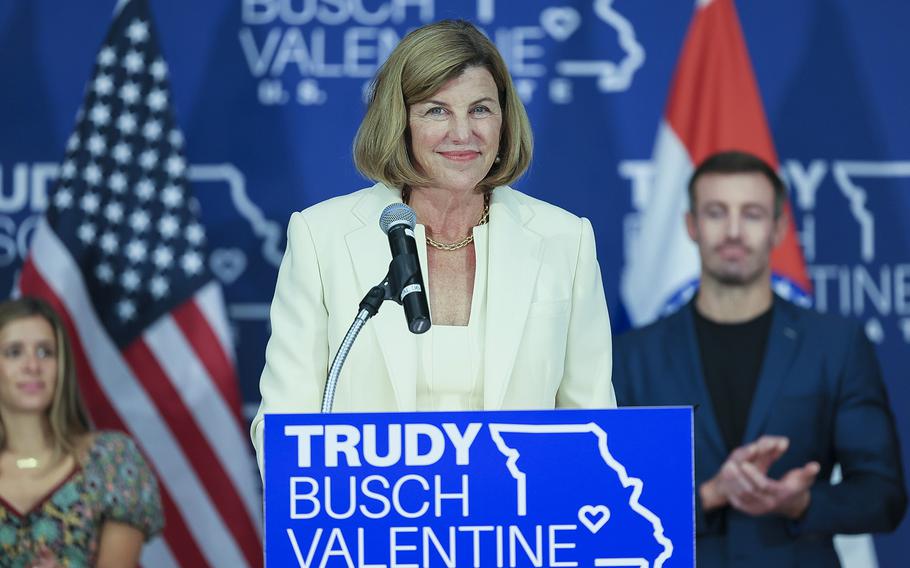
{"x":403,"y":284}
{"x":368,"y":308}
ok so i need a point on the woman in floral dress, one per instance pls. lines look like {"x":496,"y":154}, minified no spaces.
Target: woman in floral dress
{"x":68,"y":496}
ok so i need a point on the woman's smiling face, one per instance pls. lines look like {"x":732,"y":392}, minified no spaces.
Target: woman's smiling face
{"x":28,"y":365}
{"x":455,"y":134}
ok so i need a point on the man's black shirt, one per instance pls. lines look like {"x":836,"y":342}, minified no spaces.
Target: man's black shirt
{"x":731,"y":358}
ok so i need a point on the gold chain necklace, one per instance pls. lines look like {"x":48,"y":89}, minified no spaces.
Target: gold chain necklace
{"x":34,"y":461}
{"x":484,"y":217}
{"x":27,"y":463}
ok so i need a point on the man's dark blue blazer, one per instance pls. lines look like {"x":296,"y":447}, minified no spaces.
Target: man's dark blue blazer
{"x":820,"y":385}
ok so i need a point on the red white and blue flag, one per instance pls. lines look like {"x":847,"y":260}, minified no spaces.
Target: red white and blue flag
{"x":714,"y":105}
{"x":121,"y":254}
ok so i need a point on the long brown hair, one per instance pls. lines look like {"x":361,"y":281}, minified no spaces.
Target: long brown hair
{"x":67,"y":416}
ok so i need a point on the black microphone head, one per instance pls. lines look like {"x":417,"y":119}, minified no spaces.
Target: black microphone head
{"x":397,"y":214}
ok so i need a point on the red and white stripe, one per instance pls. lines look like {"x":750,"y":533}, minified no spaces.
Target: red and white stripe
{"x":663,"y":259}
{"x":714,"y":104}
{"x":171,"y":389}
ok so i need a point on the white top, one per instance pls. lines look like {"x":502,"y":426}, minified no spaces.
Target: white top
{"x":450,"y":357}
{"x":545,"y":318}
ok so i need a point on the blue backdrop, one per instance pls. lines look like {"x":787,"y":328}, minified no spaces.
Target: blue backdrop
{"x":269,"y":96}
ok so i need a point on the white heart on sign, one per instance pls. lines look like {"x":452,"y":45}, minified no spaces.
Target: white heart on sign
{"x":594,"y":517}
{"x":227,"y":264}
{"x":560,"y":22}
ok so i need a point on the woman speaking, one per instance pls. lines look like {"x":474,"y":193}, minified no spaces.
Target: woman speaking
{"x":519,"y":318}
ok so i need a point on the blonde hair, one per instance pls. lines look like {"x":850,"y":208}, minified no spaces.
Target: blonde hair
{"x":420,"y":65}
{"x":66,"y":416}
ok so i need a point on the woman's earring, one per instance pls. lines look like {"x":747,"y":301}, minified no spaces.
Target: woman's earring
{"x":498,"y":159}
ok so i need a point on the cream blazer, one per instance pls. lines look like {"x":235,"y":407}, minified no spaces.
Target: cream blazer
{"x":548,"y":342}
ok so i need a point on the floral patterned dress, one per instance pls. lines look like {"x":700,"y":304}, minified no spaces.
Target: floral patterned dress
{"x":114,"y":484}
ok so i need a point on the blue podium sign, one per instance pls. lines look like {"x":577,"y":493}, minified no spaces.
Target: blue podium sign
{"x":480,"y":489}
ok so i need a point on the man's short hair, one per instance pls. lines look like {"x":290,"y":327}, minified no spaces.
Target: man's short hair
{"x":739,"y":162}
{"x":424,"y":61}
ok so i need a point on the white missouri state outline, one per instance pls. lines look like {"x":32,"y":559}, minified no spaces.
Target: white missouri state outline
{"x":512,"y":455}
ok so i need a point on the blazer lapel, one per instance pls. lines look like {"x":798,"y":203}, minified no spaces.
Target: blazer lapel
{"x":687,"y":358}
{"x":369,"y":250}
{"x":783,"y":341}
{"x":513,"y":263}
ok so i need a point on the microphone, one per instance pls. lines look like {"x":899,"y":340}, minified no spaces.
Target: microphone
{"x":404,"y":279}
{"x":403,"y":283}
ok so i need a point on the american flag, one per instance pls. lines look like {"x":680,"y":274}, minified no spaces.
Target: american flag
{"x":121,"y":254}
